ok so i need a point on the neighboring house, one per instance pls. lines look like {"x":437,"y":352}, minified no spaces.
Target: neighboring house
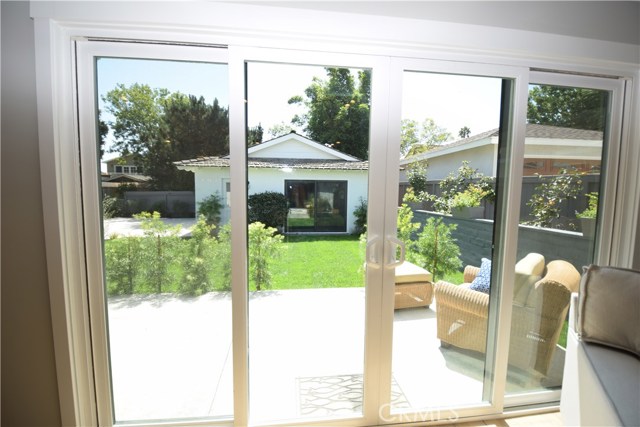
{"x":323,"y":186}
{"x":121,"y":171}
{"x":547,"y":150}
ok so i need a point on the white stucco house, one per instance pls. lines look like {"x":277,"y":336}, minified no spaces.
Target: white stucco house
{"x":547,"y":150}
{"x":322,"y":185}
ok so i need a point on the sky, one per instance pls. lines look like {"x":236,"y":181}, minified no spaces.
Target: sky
{"x":451,"y":101}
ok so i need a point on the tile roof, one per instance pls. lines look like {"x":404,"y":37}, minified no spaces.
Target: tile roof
{"x":532,"y":131}
{"x":269,"y":163}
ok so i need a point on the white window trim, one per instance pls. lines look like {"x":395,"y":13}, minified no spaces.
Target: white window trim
{"x":57,"y":24}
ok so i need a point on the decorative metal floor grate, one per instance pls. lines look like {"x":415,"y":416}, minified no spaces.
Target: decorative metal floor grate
{"x":339,"y":394}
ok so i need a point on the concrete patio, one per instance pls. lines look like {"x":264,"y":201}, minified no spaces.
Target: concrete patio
{"x":171,"y":357}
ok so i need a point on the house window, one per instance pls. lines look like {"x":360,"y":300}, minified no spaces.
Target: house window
{"x":118,"y":169}
{"x":316,"y":206}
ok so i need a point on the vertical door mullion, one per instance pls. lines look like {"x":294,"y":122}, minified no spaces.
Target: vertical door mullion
{"x":507,"y":234}
{"x":377,"y":377}
{"x":239,"y":258}
{"x":391,"y":149}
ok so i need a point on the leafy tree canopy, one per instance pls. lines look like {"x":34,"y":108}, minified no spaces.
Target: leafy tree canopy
{"x":280,"y":129}
{"x":159,"y":127}
{"x":421,"y":137}
{"x":338,"y":111}
{"x":464,"y":132}
{"x":567,"y":107}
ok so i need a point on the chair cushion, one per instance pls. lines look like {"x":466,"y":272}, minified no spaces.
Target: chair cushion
{"x":483,"y":280}
{"x":560,"y":272}
{"x":524,"y":284}
{"x":608,"y":308}
{"x":619,"y":375}
{"x":528,"y":271}
{"x":411,"y":273}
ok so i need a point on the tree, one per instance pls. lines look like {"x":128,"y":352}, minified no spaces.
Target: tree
{"x":567,"y":107}
{"x":138,"y":112}
{"x":280,"y":129}
{"x":437,"y":249}
{"x":421,"y":137}
{"x":264,"y":247}
{"x":464,"y":132}
{"x":254,"y":135}
{"x":417,"y":177}
{"x":193,"y":129}
{"x":159,"y":128}
{"x":103,"y":131}
{"x":338,"y":111}
{"x":158,"y":248}
{"x":549,"y":198}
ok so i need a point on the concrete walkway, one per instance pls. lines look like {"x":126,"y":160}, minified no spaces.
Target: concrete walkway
{"x":171,"y":356}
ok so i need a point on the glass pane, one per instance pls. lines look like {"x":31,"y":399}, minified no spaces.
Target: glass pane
{"x":301,"y":196}
{"x":308,"y":172}
{"x":331,"y":200}
{"x":558,"y":218}
{"x":448,"y":158}
{"x":164,"y":146}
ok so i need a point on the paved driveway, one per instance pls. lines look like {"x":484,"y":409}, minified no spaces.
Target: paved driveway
{"x":132,"y":226}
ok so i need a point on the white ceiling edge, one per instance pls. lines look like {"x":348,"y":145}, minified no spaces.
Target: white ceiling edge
{"x":270,"y":26}
{"x":614,"y":21}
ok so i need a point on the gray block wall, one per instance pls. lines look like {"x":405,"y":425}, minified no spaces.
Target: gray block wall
{"x":474,"y":237}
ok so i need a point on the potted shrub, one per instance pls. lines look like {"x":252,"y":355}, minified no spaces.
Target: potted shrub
{"x":588,"y":216}
{"x":467,"y":204}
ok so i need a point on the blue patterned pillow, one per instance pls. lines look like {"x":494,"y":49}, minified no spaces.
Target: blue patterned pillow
{"x":483,"y":280}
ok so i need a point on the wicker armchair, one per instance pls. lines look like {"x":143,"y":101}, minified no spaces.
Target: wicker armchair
{"x":539,"y":310}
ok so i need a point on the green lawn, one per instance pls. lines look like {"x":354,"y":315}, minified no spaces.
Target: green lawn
{"x":319,"y":262}
{"x":324,"y":262}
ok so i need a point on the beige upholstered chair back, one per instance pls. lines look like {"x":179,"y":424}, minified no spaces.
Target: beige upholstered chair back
{"x":563,"y":272}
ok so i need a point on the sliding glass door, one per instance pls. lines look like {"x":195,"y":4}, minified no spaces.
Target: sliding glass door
{"x":457,"y":128}
{"x":308,"y":174}
{"x":316,"y":206}
{"x":303,"y":238}
{"x":160,"y":255}
{"x":568,"y":176}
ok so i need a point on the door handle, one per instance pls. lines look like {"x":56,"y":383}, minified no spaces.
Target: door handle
{"x":393,"y":242}
{"x":371,"y":254}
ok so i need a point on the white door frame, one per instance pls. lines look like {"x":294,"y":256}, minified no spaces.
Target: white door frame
{"x":60,"y":163}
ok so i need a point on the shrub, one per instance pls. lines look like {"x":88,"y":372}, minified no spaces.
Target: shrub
{"x":113,"y":207}
{"x":223,"y":257}
{"x":109,"y":207}
{"x":407,"y":228}
{"x":123,"y":262}
{"x":549,"y":197}
{"x":592,"y":210}
{"x":197,"y":264}
{"x":471,"y":197}
{"x":417,"y":177}
{"x":436,"y":249}
{"x":264,"y":246}
{"x":160,"y":207}
{"x":269,"y":208}
{"x":210,"y":207}
{"x":459,"y":183}
{"x":360,"y":212}
{"x":159,"y":249}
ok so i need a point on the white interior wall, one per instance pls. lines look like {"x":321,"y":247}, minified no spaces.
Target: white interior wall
{"x":29,"y":387}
